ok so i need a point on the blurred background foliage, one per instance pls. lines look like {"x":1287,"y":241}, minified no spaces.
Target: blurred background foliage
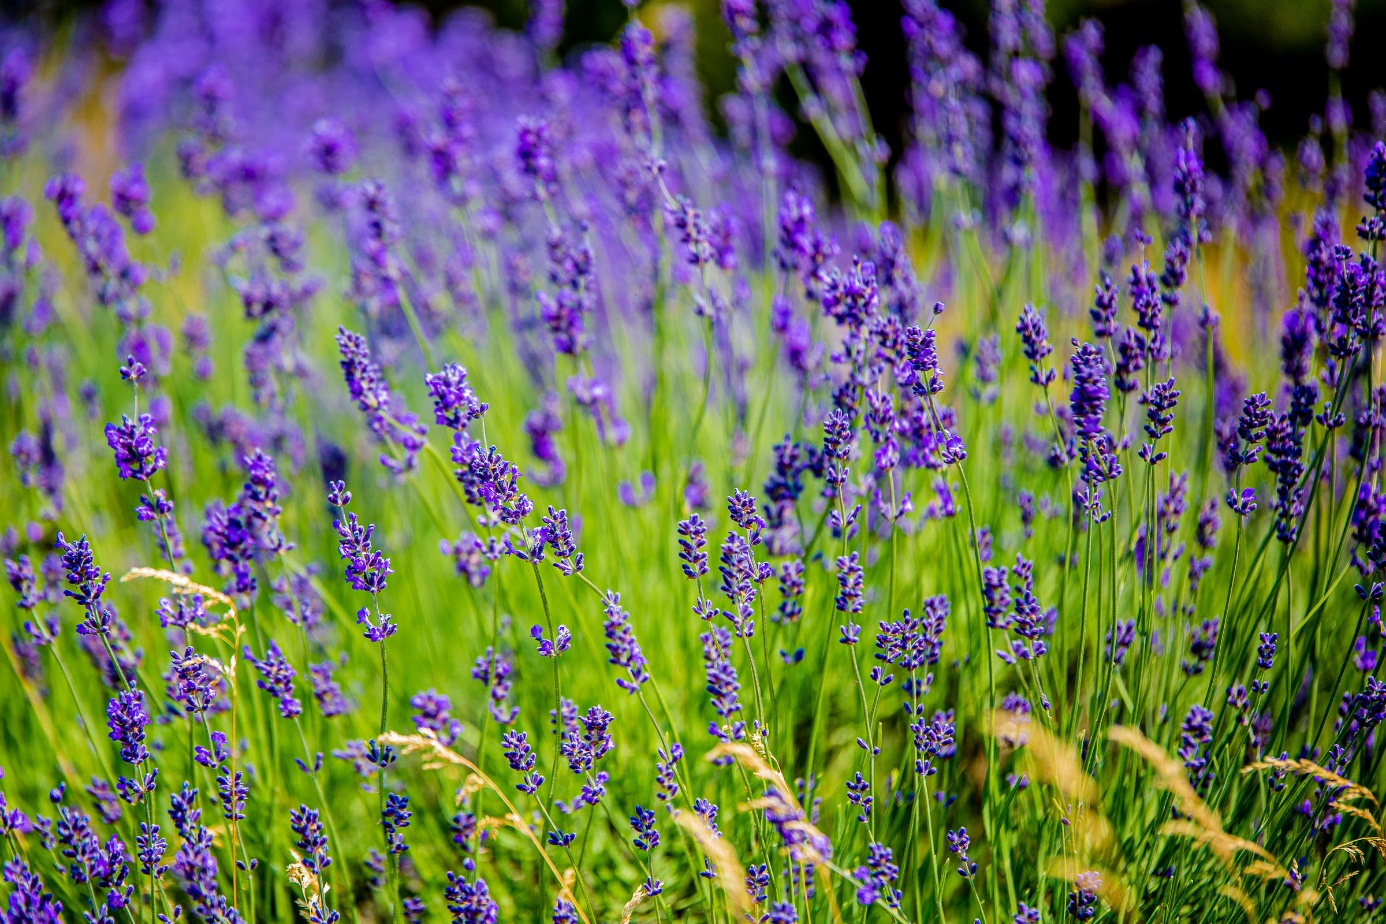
{"x":1275,"y":46}
{"x":1271,"y":45}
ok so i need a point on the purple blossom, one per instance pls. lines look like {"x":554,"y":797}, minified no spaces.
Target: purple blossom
{"x":493,"y":670}
{"x":922,"y":354}
{"x":130,"y":197}
{"x":1159,"y":400}
{"x":137,"y":455}
{"x":1082,"y":899}
{"x":488,"y":480}
{"x":433,"y":714}
{"x":366,"y":566}
{"x":327,"y":691}
{"x":559,"y":536}
{"x":393,"y":427}
{"x":1203,"y":639}
{"x":276,"y":678}
{"x":621,"y":644}
{"x":1034,"y":337}
{"x":86,"y":584}
{"x":535,"y":156}
{"x":693,"y":546}
{"x":470,"y":902}
{"x":551,"y":647}
{"x":28,"y":902}
{"x":850,"y":580}
{"x":332,"y":147}
{"x":723,"y":685}
{"x":127,"y":719}
{"x":454,"y":403}
{"x":521,"y":758}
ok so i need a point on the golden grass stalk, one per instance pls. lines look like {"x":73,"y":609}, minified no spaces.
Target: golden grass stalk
{"x":470,"y":787}
{"x":1221,"y":843}
{"x":1201,"y":823}
{"x":731,"y":876}
{"x":751,"y":759}
{"x":1303,"y":767}
{"x":438,"y":756}
{"x":1264,"y":869}
{"x":757,"y":759}
{"x":180,"y":584}
{"x":1377,"y":843}
{"x":1328,"y":887}
{"x":782,"y":800}
{"x":1050,"y":760}
{"x":635,"y":899}
{"x":1356,"y":812}
{"x":310,"y":887}
{"x":1243,"y":900}
{"x":1170,"y":774}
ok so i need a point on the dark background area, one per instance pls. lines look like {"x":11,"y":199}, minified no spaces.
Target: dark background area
{"x":1271,"y":45}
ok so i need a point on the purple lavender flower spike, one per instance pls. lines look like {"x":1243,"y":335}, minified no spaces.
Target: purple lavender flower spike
{"x":137,"y":455}
{"x":276,"y":678}
{"x":551,"y":647}
{"x":434,"y":715}
{"x":130,"y":197}
{"x":394,"y":428}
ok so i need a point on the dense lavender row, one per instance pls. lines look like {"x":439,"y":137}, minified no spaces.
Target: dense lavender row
{"x":469,"y":486}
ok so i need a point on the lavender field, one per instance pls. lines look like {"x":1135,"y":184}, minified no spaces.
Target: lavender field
{"x":454,"y":474}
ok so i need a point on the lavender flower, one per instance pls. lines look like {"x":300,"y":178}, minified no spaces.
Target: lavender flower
{"x":559,"y":536}
{"x":454,"y":403}
{"x":493,"y":670}
{"x":515,"y":747}
{"x":137,"y":456}
{"x":327,"y":691}
{"x":86,"y":585}
{"x":276,"y":678}
{"x":1202,"y":641}
{"x":551,"y":647}
{"x":723,"y":684}
{"x":1088,"y":400}
{"x":395,"y":428}
{"x":933,"y":741}
{"x":534,"y":153}
{"x":130,"y":197}
{"x":621,"y":644}
{"x":127,"y":719}
{"x":332,"y":147}
{"x":1034,"y":336}
{"x":367,"y":567}
{"x":433,"y":714}
{"x":959,"y":843}
{"x":394,"y":818}
{"x":470,"y":902}
{"x":312,"y":841}
{"x":1159,"y":400}
{"x":877,"y":877}
{"x":850,"y":581}
{"x":28,"y":902}
{"x":923,"y":360}
{"x":1082,"y":900}
{"x":693,"y":546}
{"x":1104,"y":309}
{"x":488,"y":480}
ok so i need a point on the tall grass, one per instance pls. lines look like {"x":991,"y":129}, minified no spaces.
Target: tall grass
{"x":974,"y":565}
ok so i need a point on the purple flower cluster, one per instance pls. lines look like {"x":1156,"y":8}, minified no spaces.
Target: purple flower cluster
{"x":666,"y":307}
